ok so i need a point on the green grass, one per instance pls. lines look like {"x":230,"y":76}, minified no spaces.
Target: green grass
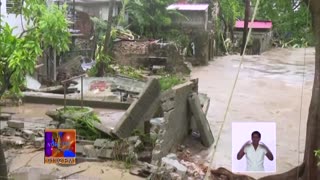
{"x":168,"y":81}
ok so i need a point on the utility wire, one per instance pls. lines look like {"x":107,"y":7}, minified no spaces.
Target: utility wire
{"x":232,"y":91}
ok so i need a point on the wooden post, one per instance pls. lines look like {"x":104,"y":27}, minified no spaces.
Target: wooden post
{"x":54,"y":65}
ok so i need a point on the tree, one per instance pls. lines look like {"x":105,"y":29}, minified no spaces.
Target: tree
{"x":150,"y":17}
{"x":286,"y":17}
{"x":46,"y":27}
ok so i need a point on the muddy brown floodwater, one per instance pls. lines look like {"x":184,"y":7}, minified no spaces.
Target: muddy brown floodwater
{"x":268,"y":89}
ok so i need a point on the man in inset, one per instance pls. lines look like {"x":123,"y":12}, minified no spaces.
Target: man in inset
{"x":255,"y":153}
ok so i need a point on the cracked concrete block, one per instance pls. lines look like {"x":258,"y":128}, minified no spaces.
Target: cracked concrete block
{"x":89,"y":151}
{"x":142,"y":109}
{"x":201,"y":120}
{"x":15,"y":124}
{"x":28,"y":134}
{"x":38,"y":142}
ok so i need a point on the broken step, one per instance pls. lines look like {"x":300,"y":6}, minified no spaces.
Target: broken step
{"x":15,"y":124}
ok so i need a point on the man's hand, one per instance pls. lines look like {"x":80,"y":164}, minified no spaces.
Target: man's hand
{"x":269,"y":153}
{"x":241,"y":152}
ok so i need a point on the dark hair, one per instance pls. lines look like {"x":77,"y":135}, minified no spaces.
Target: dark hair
{"x":256,"y":132}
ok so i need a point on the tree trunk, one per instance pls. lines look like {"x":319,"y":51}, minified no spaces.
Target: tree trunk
{"x":106,"y":49}
{"x":246,"y":22}
{"x":313,"y":124}
{"x":309,"y":169}
{"x":3,"y":164}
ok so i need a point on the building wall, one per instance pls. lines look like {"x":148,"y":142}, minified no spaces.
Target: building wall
{"x":98,"y":10}
{"x":263,"y":37}
{"x":195,"y":19}
{"x":12,"y":19}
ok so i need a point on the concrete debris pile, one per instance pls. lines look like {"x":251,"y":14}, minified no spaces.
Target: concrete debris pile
{"x":17,"y":134}
{"x":126,"y":149}
{"x":171,"y":168}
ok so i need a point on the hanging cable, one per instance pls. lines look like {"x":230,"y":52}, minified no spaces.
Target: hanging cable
{"x":232,"y":91}
{"x":301,"y":97}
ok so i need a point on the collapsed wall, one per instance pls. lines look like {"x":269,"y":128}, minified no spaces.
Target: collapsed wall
{"x":177,"y":119}
{"x":152,"y":55}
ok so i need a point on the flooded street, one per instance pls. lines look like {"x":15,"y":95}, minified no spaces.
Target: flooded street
{"x":268,"y":90}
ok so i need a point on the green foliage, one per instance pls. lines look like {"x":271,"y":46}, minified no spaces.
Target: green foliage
{"x":46,"y":27}
{"x":84,"y":123}
{"x":317,"y":154}
{"x":290,"y":21}
{"x":128,"y":71}
{"x":150,"y":17}
{"x":147,"y":140}
{"x":177,"y":36}
{"x":231,"y":10}
{"x":168,"y":81}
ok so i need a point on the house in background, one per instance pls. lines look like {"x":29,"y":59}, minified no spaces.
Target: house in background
{"x":95,"y":8}
{"x":196,"y":24}
{"x":261,"y":35}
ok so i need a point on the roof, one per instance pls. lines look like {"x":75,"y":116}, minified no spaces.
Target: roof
{"x":255,"y":25}
{"x":188,"y":7}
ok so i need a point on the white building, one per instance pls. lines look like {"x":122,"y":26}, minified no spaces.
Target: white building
{"x":12,"y":19}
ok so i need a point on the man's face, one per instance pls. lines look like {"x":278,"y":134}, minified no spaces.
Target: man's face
{"x":255,"y":139}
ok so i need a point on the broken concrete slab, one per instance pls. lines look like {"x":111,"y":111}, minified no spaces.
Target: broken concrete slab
{"x":140,"y":110}
{"x":15,"y":124}
{"x":38,"y":142}
{"x":201,"y":120}
{"x":28,"y":134}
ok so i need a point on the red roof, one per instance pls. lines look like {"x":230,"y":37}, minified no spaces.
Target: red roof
{"x":256,"y":24}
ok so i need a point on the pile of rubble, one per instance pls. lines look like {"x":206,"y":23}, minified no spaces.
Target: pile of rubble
{"x":18,"y":134}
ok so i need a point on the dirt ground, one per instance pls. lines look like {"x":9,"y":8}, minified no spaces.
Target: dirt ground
{"x":268,"y":90}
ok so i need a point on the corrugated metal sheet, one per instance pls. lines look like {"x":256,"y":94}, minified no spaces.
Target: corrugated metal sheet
{"x":255,"y":24}
{"x":188,"y":7}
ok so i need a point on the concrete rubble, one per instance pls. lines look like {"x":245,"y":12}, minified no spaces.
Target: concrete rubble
{"x":165,"y":119}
